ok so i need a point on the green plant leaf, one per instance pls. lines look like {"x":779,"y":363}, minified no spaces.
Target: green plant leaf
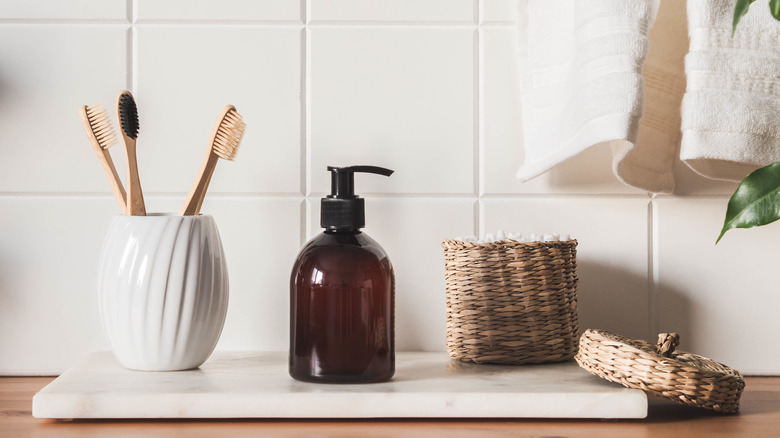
{"x":774,"y":6}
{"x":756,"y":201}
{"x":740,"y":10}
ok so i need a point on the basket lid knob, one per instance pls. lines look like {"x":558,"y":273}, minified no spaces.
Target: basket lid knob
{"x":667,"y":342}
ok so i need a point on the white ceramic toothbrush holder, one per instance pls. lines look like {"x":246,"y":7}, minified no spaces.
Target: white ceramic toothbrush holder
{"x":162,"y":290}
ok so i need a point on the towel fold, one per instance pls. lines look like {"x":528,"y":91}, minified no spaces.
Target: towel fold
{"x":581,"y":65}
{"x":649,"y":165}
{"x":730,"y":123}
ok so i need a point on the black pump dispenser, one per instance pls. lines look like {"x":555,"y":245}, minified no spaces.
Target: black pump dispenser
{"x":342,"y":295}
{"x":342,"y":209}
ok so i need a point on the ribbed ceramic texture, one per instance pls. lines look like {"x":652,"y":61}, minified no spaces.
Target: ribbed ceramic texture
{"x":686,"y":378}
{"x":510,"y":302}
{"x":163,"y":290}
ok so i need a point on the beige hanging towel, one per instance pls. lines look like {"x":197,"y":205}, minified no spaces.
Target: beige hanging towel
{"x":581,"y":67}
{"x":731,"y":109}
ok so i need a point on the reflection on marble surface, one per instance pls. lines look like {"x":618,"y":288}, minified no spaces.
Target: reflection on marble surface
{"x":256,"y":385}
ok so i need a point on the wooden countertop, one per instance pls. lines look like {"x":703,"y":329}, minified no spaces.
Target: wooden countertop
{"x":759,"y":417}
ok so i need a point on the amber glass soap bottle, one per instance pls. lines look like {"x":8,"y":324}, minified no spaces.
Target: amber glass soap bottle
{"x":342,"y":295}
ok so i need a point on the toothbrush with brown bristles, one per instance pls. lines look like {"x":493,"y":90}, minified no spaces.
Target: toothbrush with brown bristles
{"x":128,"y":121}
{"x":100,"y":133}
{"x":225,"y":138}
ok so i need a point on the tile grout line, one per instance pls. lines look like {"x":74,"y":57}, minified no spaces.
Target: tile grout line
{"x":317,"y":195}
{"x":254,"y":23}
{"x":64,"y":21}
{"x":478,"y":106}
{"x":129,"y":76}
{"x":130,"y":11}
{"x":652,"y":266}
{"x":218,"y":23}
{"x":85,"y":195}
{"x":133,"y":49}
{"x":304,"y":113}
{"x":396,"y":23}
{"x":303,"y":217}
{"x":306,"y":119}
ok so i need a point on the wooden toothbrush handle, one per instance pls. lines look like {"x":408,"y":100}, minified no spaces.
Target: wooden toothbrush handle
{"x":113,"y":179}
{"x":195,"y":197}
{"x":203,"y":192}
{"x":135,"y":196}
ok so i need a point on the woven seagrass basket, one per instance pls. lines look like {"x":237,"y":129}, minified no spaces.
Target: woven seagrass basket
{"x":686,"y":378}
{"x":510,"y":302}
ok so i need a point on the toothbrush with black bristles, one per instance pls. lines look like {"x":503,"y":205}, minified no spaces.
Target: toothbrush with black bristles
{"x":128,"y":122}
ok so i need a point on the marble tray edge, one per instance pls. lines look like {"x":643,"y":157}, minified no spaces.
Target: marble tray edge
{"x":52,"y":402}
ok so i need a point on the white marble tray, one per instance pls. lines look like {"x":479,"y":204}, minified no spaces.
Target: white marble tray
{"x":256,"y":385}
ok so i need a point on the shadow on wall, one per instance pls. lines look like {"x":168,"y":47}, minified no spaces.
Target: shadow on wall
{"x":8,"y":301}
{"x":7,"y":105}
{"x":615,"y":299}
{"x":591,"y":168}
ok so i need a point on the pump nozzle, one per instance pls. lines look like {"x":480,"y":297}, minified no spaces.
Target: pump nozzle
{"x":342,"y":179}
{"x":342,"y":209}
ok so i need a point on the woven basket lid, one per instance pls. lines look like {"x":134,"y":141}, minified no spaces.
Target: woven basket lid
{"x":677,"y":375}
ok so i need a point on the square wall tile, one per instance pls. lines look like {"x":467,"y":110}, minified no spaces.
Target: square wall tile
{"x":261,"y":239}
{"x":501,"y":121}
{"x":49,"y":252}
{"x":65,"y":9}
{"x":612,"y":252}
{"x":722,"y":299}
{"x":397,"y":10}
{"x":411,"y":232}
{"x":185,"y":75}
{"x":401,"y":98}
{"x":46,"y":74}
{"x":502,"y":135}
{"x":233,"y":10}
{"x":499,"y":11}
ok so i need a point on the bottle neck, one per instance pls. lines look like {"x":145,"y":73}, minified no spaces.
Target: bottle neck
{"x":342,"y":231}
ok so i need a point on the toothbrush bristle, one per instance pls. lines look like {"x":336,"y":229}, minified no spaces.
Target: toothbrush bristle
{"x":128,"y":115}
{"x":101,"y":125}
{"x":229,"y":134}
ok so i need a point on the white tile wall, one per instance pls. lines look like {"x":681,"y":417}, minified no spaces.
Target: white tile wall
{"x":722,"y":299}
{"x":499,"y":11}
{"x":397,"y":10}
{"x":49,"y":249}
{"x":47,"y":71}
{"x":426,"y":87}
{"x":223,"y":10}
{"x":93,"y":10}
{"x":398,"y":97}
{"x":255,"y":68}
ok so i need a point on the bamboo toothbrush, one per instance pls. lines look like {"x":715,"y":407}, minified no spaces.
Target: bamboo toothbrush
{"x":100,"y":133}
{"x":225,"y":138}
{"x":128,"y":121}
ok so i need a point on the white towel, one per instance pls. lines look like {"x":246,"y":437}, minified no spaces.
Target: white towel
{"x":581,"y":79}
{"x":730,"y":112}
{"x":649,"y":165}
